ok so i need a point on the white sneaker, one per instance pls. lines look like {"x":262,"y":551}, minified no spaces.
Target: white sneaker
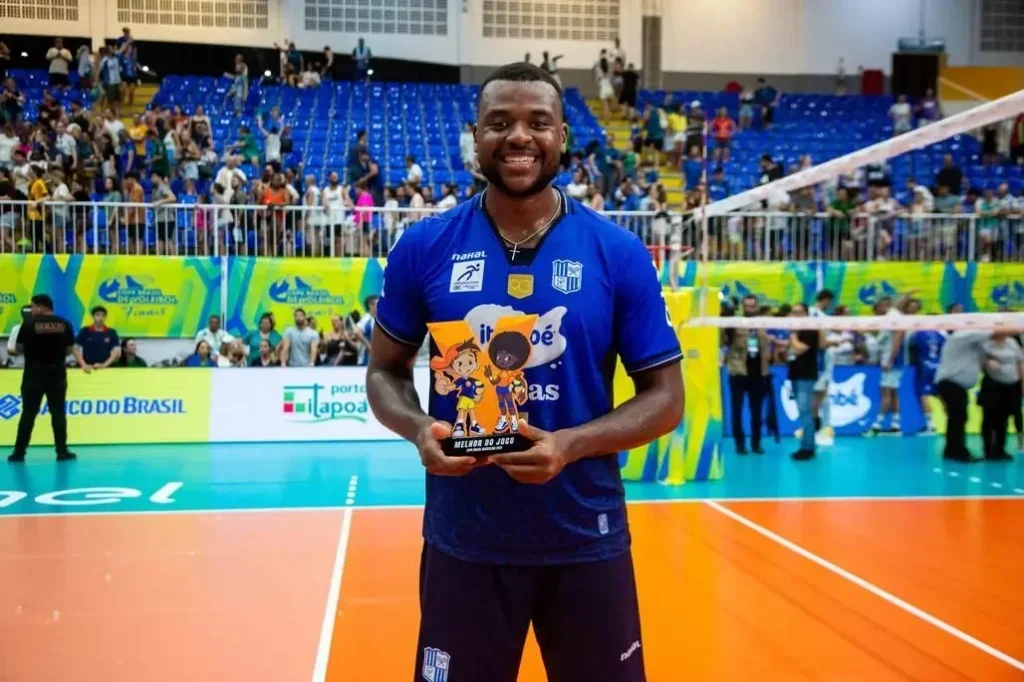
{"x":823,"y":439}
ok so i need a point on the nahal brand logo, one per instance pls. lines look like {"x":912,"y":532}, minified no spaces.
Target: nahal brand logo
{"x":566,"y":276}
{"x":1008,"y":294}
{"x":129,"y":290}
{"x":849,"y":403}
{"x":316,"y":403}
{"x":300,"y":291}
{"x":472,"y":255}
{"x":467,"y":276}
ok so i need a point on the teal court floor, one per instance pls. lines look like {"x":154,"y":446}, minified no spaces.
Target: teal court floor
{"x":298,"y":562}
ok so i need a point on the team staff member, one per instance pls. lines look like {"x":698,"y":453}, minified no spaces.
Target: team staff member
{"x":46,"y":341}
{"x":14,"y":358}
{"x":539,"y":536}
{"x":97,"y":346}
{"x":1000,"y":393}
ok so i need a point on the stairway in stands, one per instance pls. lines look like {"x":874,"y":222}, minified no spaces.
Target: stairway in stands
{"x":618,"y":127}
{"x":143,"y":95}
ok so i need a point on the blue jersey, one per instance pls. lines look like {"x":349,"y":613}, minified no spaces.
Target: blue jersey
{"x":587,"y":292}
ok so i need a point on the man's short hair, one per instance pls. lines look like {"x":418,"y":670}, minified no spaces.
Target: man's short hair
{"x":520,"y":72}
{"x":43,"y":301}
{"x":299,"y":310}
{"x":825,"y":295}
{"x":98,"y":309}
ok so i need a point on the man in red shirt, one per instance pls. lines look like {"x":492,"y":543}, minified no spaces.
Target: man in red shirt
{"x":722,"y":129}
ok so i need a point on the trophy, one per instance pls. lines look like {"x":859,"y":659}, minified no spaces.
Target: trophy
{"x":482,"y":379}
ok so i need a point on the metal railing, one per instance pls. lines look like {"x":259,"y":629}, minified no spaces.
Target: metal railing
{"x":190,"y":229}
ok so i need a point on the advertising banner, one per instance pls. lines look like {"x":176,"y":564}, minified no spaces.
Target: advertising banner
{"x":856,"y":395}
{"x":119,"y":406}
{"x":297,"y":404}
{"x":321,"y":287}
{"x":978,"y":287}
{"x":145,"y":296}
{"x":691,"y":451}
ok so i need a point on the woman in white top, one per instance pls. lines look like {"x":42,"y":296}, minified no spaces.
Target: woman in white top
{"x":605,"y":90}
{"x":579,"y":186}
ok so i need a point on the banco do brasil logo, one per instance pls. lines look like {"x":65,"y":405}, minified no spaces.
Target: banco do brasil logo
{"x":315,"y":403}
{"x":129,"y":290}
{"x":302,"y":291}
{"x":128,"y":405}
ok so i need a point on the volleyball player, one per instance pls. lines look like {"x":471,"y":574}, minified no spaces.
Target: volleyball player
{"x":821,"y":406}
{"x":925,"y":350}
{"x":892,"y":359}
{"x":538,"y":536}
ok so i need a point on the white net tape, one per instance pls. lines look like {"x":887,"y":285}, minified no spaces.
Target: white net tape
{"x":990,"y":112}
{"x":1008,"y":322}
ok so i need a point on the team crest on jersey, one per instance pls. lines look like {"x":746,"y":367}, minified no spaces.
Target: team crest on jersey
{"x":520,"y":286}
{"x":484,"y":376}
{"x":566,"y":276}
{"x":435,"y":665}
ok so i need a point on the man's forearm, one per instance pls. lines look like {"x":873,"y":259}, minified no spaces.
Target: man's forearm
{"x":648,"y":415}
{"x":394,"y":402}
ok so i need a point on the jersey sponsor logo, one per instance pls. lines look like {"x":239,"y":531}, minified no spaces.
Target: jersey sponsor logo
{"x":300,"y":291}
{"x":435,"y":665}
{"x":848,"y":401}
{"x":129,"y":290}
{"x":546,"y":338}
{"x":467,"y":276}
{"x":566,"y":276}
{"x":472,"y":255}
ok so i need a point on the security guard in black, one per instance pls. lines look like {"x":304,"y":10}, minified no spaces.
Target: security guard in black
{"x":45,"y":340}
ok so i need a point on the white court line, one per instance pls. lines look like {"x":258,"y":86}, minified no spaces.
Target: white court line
{"x":870,"y":587}
{"x":391,"y":507}
{"x":323,"y":651}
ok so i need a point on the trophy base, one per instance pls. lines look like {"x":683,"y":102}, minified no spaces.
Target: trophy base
{"x":485,"y":446}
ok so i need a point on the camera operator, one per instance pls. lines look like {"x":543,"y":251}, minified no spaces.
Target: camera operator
{"x":45,"y":340}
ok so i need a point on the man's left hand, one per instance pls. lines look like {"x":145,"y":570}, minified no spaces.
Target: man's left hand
{"x":540,"y":463}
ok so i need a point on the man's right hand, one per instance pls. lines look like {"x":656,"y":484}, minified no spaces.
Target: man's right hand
{"x":428,"y":442}
{"x":87,"y":369}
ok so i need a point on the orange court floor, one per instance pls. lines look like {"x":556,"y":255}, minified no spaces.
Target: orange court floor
{"x":214,"y":563}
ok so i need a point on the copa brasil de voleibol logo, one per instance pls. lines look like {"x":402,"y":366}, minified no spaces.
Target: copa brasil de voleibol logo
{"x":318,"y":403}
{"x":738,"y":290}
{"x":131,"y":290}
{"x":300,"y":291}
{"x":1008,"y":294}
{"x":872,"y":293}
{"x":849,"y":403}
{"x":126,"y":405}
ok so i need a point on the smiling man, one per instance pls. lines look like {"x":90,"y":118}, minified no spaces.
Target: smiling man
{"x":538,"y":536}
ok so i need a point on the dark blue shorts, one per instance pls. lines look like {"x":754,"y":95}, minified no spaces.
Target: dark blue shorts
{"x":474,"y":619}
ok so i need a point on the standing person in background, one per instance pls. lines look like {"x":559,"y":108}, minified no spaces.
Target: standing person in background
{"x":300,"y":345}
{"x":97,"y":346}
{"x":129,"y":354}
{"x":110,"y":79}
{"x":361,"y":55}
{"x":1000,"y":393}
{"x":628,"y":94}
{"x":892,"y":358}
{"x":85,"y":66}
{"x":767,"y":98}
{"x":550,"y":64}
{"x":213,"y":335}
{"x":821,"y":405}
{"x":46,"y":340}
{"x":364,"y":329}
{"x":129,"y":72}
{"x":803,"y":373}
{"x":60,"y":61}
{"x":925,"y":349}
{"x":747,"y":363}
{"x":959,"y":366}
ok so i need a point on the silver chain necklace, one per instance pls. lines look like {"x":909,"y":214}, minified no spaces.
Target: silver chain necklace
{"x":515,"y":244}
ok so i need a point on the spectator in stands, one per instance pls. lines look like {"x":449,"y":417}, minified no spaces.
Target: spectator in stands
{"x":987,"y":209}
{"x":676,"y":136}
{"x":164,"y":218}
{"x":361,"y":56}
{"x":213,"y":336}
{"x":369,"y":173}
{"x":300,"y":343}
{"x":59,"y":58}
{"x":12,"y":102}
{"x":577,"y":189}
{"x":550,"y":64}
{"x":767,"y":99}
{"x":239,"y":91}
{"x":928,"y":110}
{"x":605,"y":89}
{"x":110,"y":79}
{"x":413,"y":172}
{"x":695,"y":126}
{"x":946,"y":203}
{"x":630,"y":87}
{"x":84,"y":58}
{"x":129,"y":72}
{"x":654,"y":131}
{"x":310,"y":77}
{"x":231,"y":354}
{"x":294,"y":65}
{"x":1017,"y":140}
{"x":229,"y":171}
{"x":722,"y":130}
{"x":627,"y":196}
{"x":8,"y":142}
{"x":467,"y":146}
{"x":839,"y":239}
{"x":265,"y":332}
{"x":97,"y":346}
{"x":950,"y":174}
{"x":202,"y":357}
{"x":693,"y":168}
{"x":5,"y":60}
{"x":746,"y":111}
{"x":901,"y":115}
{"x":265,"y":355}
{"x":129,"y":354}
{"x":449,"y":196}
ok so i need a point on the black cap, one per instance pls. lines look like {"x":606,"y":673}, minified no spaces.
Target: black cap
{"x":43,"y":300}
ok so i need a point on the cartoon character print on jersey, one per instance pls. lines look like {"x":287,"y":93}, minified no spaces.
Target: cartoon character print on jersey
{"x":486,"y":377}
{"x":508,"y":352}
{"x":453,"y":373}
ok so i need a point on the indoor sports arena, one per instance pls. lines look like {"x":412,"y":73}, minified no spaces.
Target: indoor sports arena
{"x":603,"y":340}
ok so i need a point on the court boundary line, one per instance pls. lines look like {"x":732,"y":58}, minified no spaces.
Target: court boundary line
{"x":323,"y":650}
{"x":393,"y":507}
{"x":866,"y":585}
